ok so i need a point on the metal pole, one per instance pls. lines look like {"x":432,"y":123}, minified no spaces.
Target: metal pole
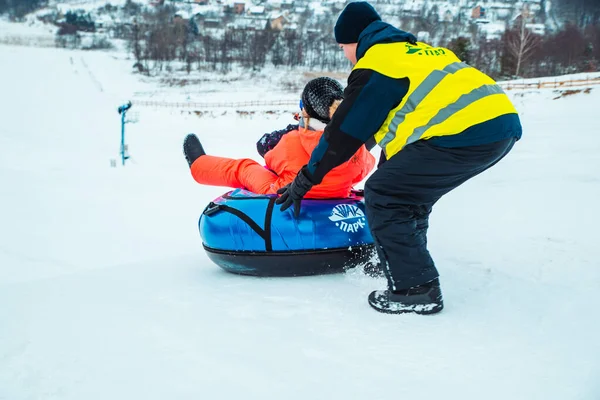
{"x":123,"y":110}
{"x":123,"y":137}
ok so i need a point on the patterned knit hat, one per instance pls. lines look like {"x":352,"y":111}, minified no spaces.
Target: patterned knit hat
{"x":318,"y":95}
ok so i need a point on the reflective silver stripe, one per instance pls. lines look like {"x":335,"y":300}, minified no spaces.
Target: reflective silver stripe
{"x":463,"y":102}
{"x":417,"y":96}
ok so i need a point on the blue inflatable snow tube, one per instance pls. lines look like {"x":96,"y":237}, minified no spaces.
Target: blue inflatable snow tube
{"x":246,"y":233}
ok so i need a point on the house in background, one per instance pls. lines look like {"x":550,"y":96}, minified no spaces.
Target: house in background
{"x":239,"y":7}
{"x":278,"y":22}
{"x":235,"y":7}
{"x":500,"y":11}
{"x":287,"y":4}
{"x":256,"y":10}
{"x":493,"y":30}
{"x":478,"y":12}
{"x":249,"y":23}
{"x":212,"y":23}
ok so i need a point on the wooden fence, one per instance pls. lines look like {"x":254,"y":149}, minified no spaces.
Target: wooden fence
{"x":201,"y":106}
{"x":556,"y":84}
{"x":294,"y":103}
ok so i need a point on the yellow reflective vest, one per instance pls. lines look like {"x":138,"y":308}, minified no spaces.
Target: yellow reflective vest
{"x":445,"y":96}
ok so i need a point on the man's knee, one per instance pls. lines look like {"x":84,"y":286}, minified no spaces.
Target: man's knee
{"x":375,"y":196}
{"x":383,"y":217}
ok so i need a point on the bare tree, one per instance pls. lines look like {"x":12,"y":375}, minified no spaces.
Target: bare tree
{"x":520,"y":44}
{"x":136,"y":46}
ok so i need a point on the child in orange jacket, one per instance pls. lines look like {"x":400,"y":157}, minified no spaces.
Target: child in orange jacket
{"x":286,"y":153}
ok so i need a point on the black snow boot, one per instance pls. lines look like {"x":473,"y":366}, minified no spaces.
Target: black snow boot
{"x":422,"y":299}
{"x":192,"y":149}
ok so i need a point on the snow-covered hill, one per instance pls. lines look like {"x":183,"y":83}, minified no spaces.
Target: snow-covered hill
{"x":106,"y":293}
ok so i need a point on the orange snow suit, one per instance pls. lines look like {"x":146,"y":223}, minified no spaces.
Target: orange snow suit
{"x":282,"y":164}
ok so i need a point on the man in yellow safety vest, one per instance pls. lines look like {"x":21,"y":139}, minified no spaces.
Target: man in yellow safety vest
{"x":439,"y":123}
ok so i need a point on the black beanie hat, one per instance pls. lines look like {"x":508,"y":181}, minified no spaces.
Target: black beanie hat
{"x":353,"y":20}
{"x":318,"y":96}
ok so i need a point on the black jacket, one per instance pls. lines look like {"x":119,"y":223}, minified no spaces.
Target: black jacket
{"x":368,"y":99}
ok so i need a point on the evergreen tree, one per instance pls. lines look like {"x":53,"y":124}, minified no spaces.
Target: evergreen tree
{"x":461,"y":46}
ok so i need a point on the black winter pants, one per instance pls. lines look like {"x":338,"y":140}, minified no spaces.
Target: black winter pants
{"x":399,"y":197}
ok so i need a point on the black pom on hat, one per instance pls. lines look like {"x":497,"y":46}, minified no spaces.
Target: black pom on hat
{"x":318,"y":96}
{"x":353,"y":20}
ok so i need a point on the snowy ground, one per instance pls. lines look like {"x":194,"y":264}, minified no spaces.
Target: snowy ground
{"x":106,"y":293}
{"x":32,"y":33}
{"x":173,"y":83}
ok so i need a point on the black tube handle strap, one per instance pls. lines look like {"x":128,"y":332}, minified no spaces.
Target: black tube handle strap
{"x":265,"y":233}
{"x":213,"y":208}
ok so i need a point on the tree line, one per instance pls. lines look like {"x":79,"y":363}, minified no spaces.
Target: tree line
{"x":157,"y":41}
{"x":521,"y":53}
{"x":160,"y":41}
